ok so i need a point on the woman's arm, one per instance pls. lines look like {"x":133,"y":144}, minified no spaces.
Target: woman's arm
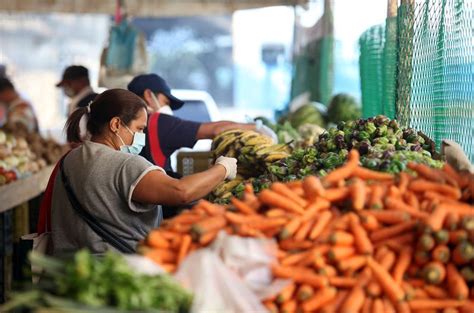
{"x":211,"y":130}
{"x":158,"y":188}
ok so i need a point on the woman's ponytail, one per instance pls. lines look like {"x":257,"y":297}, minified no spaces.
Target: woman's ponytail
{"x":73,"y":125}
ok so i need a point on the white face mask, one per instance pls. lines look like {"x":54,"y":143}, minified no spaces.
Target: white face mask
{"x":69,"y":92}
{"x":163,"y":109}
{"x":139,"y":141}
{"x":166,"y":110}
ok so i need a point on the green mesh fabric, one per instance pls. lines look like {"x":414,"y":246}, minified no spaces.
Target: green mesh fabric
{"x":371,"y":45}
{"x":314,"y":71}
{"x":436,"y":73}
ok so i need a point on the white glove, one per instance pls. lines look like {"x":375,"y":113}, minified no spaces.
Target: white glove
{"x":266,"y":131}
{"x":230,"y":165}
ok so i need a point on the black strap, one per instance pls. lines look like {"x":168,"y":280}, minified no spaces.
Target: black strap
{"x":93,"y":223}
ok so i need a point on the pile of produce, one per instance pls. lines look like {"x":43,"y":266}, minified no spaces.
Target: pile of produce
{"x":384,"y":146}
{"x":303,"y":136}
{"x":307,"y":114}
{"x":343,"y":108}
{"x":24,"y":154}
{"x":91,"y":284}
{"x":356,"y":240}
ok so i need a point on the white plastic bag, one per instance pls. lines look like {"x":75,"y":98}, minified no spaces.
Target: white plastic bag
{"x":231,"y":276}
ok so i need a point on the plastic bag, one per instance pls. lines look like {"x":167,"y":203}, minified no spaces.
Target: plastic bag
{"x":455,"y":156}
{"x":233,"y":275}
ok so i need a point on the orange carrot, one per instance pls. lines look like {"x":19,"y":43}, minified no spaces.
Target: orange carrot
{"x":462,"y":209}
{"x":186,"y":218}
{"x":271,"y":306}
{"x":342,"y":282}
{"x":405,"y":239}
{"x":377,"y":306}
{"x":352,"y":263}
{"x":304,"y":230}
{"x":369,"y":222}
{"x":305,"y":292}
{"x":161,"y":255}
{"x":390,"y":287}
{"x":344,"y":171}
{"x":290,"y":244}
{"x":341,"y":238}
{"x":463,"y":253}
{"x":334,"y":305}
{"x":389,"y":217}
{"x":434,"y":272}
{"x":294,"y":258}
{"x":398,"y":205}
{"x":286,"y":294}
{"x":337,"y":194}
{"x":392,"y":231}
{"x":468,"y":307}
{"x":388,"y":306}
{"x":427,"y":304}
{"x":367,"y":307}
{"x":156,"y":240}
{"x":451,"y":172}
{"x":320,"y":224}
{"x":376,"y":198}
{"x":412,"y":200}
{"x":208,"y":237}
{"x":426,"y":242}
{"x":319,"y":300}
{"x":168,"y":267}
{"x":209,"y":224}
{"x":403,"y":181}
{"x":289,"y":306}
{"x":367,"y":174}
{"x":362,"y":241}
{"x":183,"y":249}
{"x":210,"y":208}
{"x":272,"y":198}
{"x":299,"y":275}
{"x":267,"y":223}
{"x":313,"y":187}
{"x":403,"y":307}
{"x":404,"y":260}
{"x":421,"y":185}
{"x":312,"y":209}
{"x":339,"y":253}
{"x":242,"y":206}
{"x":388,"y":260}
{"x":436,"y":292}
{"x":328,"y":271}
{"x":373,"y":289}
{"x":436,"y":219}
{"x":354,"y":300}
{"x":276,"y":213}
{"x":394,"y":192}
{"x":424,"y":171}
{"x":286,"y":192}
{"x":456,"y":284}
{"x":290,"y":228}
{"x":441,"y":254}
{"x":358,"y":194}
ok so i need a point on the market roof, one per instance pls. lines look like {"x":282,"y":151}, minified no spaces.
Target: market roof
{"x":143,"y":7}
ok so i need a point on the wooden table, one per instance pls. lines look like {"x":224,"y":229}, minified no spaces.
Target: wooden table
{"x":23,"y":190}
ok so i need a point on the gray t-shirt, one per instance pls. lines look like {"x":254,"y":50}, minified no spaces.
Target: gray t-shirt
{"x":103,"y":180}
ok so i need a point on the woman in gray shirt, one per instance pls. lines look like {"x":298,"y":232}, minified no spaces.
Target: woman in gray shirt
{"x":117,"y":187}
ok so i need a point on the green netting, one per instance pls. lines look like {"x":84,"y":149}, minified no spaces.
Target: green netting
{"x":314,"y":70}
{"x":436,"y":77}
{"x":371,"y":45}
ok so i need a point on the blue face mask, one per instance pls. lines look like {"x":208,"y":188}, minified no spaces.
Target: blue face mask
{"x":139,"y":140}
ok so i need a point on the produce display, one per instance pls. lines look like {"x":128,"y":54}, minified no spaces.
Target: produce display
{"x":91,"y":284}
{"x":307,"y":114}
{"x":384,"y":146}
{"x":343,"y":108}
{"x":356,"y":240}
{"x":23,"y":154}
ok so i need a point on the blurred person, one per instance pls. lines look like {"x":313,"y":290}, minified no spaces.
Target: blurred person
{"x":167,"y":133}
{"x":76,"y":85}
{"x":15,"y":112}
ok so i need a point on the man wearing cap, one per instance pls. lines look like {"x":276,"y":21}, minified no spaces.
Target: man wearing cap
{"x":76,"y":85}
{"x":167,"y":133}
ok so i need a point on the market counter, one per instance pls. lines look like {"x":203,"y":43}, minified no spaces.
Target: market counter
{"x":22,"y":190}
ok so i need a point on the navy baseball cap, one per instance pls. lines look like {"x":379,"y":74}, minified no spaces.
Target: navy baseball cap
{"x":73,"y":72}
{"x":155,"y":83}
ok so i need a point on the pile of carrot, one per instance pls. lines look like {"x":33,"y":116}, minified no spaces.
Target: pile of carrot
{"x":354,"y":241}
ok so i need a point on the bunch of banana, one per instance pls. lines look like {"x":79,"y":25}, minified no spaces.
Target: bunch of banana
{"x":255,"y":152}
{"x":223,"y":191}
